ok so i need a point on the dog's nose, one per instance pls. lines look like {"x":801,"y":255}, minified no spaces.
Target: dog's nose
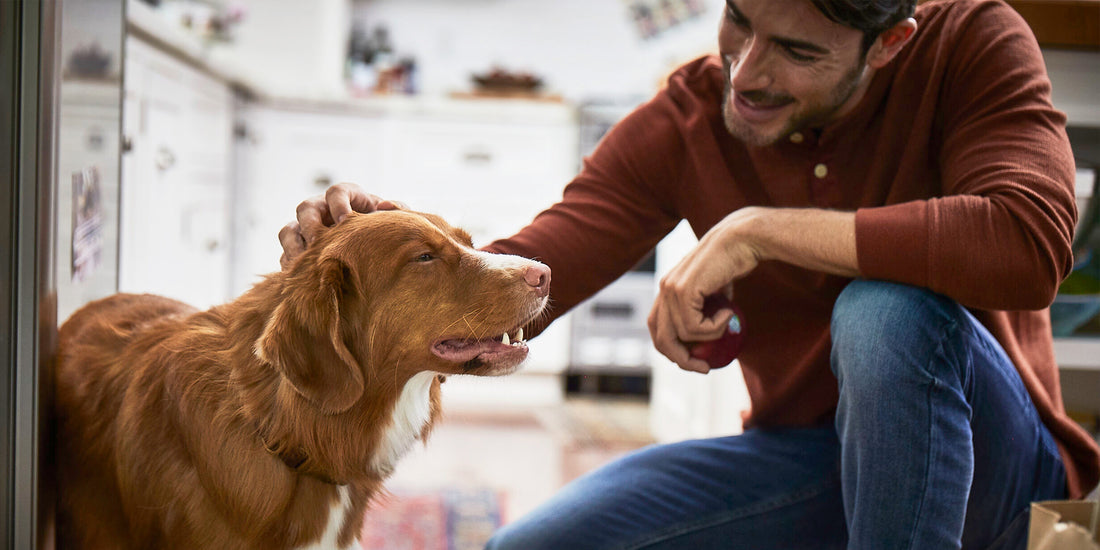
{"x":538,"y":276}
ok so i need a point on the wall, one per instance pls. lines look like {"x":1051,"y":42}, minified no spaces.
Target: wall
{"x":583,"y":48}
{"x":290,"y":47}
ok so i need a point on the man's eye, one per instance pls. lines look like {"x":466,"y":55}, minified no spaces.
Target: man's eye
{"x":800,"y":57}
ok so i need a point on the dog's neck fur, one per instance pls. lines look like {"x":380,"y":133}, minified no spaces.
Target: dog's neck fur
{"x":284,"y":417}
{"x":266,"y":412}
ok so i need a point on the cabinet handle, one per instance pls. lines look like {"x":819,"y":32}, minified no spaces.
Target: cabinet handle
{"x":165,"y":158}
{"x":477,"y":156}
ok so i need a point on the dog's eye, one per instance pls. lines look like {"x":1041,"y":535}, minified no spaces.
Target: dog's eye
{"x":425,"y":257}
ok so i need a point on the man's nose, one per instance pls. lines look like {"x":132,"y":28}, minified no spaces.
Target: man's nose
{"x":750,"y":70}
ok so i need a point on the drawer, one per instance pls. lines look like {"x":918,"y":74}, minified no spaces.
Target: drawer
{"x":442,"y":149}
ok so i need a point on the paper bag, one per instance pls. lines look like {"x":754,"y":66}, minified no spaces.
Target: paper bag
{"x":1064,"y":525}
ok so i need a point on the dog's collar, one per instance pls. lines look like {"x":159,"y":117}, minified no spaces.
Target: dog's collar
{"x":296,"y":459}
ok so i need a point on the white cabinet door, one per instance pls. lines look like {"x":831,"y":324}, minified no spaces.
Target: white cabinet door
{"x":286,"y":156}
{"x":488,"y":178}
{"x":176,"y":178}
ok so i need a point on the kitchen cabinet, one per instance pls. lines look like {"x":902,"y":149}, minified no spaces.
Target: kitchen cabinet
{"x":491,"y":178}
{"x":176,"y":177}
{"x":285,"y":155}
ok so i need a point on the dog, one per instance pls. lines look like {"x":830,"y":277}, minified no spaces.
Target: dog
{"x":271,"y":421}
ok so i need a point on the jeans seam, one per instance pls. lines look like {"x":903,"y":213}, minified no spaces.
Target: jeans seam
{"x":733,"y":515}
{"x":948,"y":327}
{"x":927,"y":462}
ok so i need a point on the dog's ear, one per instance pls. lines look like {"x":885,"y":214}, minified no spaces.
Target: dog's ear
{"x":303,"y":339}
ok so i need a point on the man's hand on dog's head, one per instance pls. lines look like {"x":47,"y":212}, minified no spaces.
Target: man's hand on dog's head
{"x":316,"y":213}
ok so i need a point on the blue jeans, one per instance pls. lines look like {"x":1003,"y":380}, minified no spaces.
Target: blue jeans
{"x":936,"y":444}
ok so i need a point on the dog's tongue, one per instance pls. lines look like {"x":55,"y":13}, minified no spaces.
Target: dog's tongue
{"x":461,"y":351}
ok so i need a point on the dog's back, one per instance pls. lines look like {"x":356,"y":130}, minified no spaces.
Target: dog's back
{"x":93,"y":375}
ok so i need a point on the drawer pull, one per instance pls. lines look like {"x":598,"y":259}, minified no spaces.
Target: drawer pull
{"x":477,"y":157}
{"x":615,"y":310}
{"x":164,"y":159}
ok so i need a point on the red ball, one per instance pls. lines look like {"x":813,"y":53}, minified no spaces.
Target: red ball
{"x":721,"y":352}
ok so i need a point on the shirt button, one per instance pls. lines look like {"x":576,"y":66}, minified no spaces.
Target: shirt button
{"x":797,"y":137}
{"x":821,"y":171}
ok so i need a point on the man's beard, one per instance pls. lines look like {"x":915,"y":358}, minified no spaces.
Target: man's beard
{"x":812,"y":115}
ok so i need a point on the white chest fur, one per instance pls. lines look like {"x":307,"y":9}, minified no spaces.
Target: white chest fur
{"x":412,"y":411}
{"x":336,"y":516}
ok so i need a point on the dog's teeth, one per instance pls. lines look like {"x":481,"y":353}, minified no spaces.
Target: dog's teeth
{"x":505,"y":340}
{"x":519,"y":335}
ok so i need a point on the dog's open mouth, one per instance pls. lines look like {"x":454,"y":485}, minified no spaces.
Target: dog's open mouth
{"x":505,"y":350}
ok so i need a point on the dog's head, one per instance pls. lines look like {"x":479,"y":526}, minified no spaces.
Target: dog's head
{"x":388,"y":294}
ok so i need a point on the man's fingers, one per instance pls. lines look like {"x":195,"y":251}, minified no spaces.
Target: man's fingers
{"x":662,"y":332}
{"x":685,"y":313}
{"x":708,"y":328}
{"x":344,"y":198}
{"x":313,"y":216}
{"x":290,"y":236}
{"x":316,"y":213}
{"x":391,"y":205}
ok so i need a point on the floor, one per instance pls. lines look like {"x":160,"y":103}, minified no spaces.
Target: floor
{"x":526,"y":454}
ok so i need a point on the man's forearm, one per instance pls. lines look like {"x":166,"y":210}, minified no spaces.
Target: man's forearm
{"x":815,"y":239}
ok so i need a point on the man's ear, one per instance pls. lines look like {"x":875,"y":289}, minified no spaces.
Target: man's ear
{"x":304,"y":341}
{"x":890,"y":42}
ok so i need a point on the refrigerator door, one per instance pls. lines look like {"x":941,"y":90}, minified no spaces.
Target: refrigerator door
{"x":59,"y":158}
{"x":88,"y":152}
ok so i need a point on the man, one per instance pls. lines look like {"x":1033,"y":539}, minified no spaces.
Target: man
{"x":887,"y":194}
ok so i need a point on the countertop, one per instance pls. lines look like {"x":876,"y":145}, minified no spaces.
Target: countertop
{"x":143,"y":22}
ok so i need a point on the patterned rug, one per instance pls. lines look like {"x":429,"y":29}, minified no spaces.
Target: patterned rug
{"x":452,"y":519}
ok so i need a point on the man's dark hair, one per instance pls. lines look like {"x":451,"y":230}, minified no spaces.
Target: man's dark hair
{"x":869,"y":16}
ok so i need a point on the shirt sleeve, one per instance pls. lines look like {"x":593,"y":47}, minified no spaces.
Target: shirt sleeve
{"x":999,"y":236}
{"x":610,"y":216}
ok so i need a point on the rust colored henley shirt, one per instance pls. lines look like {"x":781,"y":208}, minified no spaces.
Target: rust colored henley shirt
{"x":955,"y":162}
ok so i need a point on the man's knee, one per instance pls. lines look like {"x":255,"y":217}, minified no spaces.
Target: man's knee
{"x":874,"y":322}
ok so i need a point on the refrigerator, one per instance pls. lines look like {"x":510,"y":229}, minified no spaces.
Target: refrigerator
{"x":60,"y":120}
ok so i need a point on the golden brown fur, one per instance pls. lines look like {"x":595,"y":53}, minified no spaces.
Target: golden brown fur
{"x":233,"y":427}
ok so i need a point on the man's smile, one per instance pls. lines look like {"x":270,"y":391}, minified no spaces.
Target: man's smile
{"x":759,"y":108}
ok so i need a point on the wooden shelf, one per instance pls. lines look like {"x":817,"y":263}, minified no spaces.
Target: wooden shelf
{"x":1062,"y":23}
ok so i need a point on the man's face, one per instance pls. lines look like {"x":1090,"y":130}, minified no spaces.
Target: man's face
{"x":788,"y":68}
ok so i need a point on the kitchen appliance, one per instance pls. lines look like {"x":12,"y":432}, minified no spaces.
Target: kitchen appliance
{"x":59,"y":125}
{"x":610,"y":343}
